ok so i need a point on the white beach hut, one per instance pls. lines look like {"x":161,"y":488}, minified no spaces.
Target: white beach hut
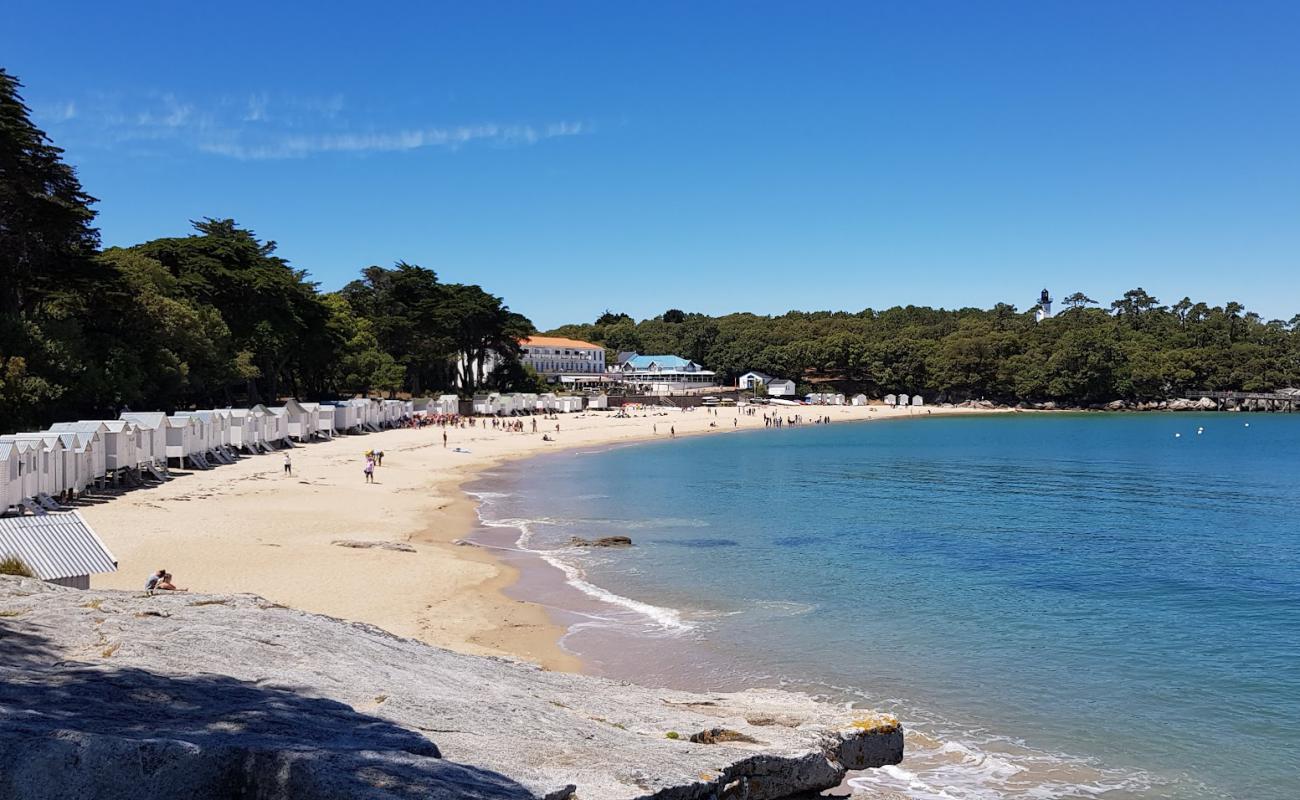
{"x":264,"y":425}
{"x":485,"y":403}
{"x":122,"y":443}
{"x":859,"y":399}
{"x":367,"y":413}
{"x":346,"y":418}
{"x":891,"y":400}
{"x":301,"y":423}
{"x":29,"y":473}
{"x":46,"y":452}
{"x":312,"y":416}
{"x":58,"y":548}
{"x":246,"y":429}
{"x":10,"y":482}
{"x":276,"y":426}
{"x":185,"y":441}
{"x":91,"y":445}
{"x":215,"y":427}
{"x":448,"y":404}
{"x":33,"y":470}
{"x":152,"y":427}
{"x":917,"y":401}
{"x":903,"y":400}
{"x":326,"y":424}
{"x":116,"y":443}
{"x":78,"y":461}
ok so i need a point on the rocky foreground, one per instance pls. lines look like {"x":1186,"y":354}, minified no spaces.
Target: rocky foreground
{"x":111,"y":695}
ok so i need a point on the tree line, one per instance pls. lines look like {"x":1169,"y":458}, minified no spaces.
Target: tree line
{"x":1136,"y":349}
{"x":215,"y":318}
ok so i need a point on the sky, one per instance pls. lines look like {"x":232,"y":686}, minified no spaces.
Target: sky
{"x":714,"y":157}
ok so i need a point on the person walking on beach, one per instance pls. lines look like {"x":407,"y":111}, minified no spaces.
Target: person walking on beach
{"x":444,"y":438}
{"x":369,"y":470}
{"x":379,"y":458}
{"x":672,"y":432}
{"x":288,"y":465}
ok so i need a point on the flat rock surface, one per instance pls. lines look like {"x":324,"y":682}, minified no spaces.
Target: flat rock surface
{"x":374,"y":544}
{"x":113,"y":695}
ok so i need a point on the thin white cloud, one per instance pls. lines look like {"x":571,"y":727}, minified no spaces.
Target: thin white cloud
{"x":257,"y":105}
{"x":265,"y":126}
{"x":300,"y":146}
{"x":56,"y":112}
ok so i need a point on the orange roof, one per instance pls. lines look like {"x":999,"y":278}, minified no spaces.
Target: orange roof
{"x":557,"y":341}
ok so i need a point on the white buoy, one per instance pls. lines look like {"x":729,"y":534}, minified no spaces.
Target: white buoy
{"x":1177,"y":435}
{"x":1247,"y":424}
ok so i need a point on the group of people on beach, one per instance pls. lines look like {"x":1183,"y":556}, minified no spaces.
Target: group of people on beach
{"x":778,"y":421}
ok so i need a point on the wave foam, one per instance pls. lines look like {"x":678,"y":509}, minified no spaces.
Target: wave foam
{"x":663,"y":618}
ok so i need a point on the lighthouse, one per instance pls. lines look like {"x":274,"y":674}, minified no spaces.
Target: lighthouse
{"x":1044,"y":306}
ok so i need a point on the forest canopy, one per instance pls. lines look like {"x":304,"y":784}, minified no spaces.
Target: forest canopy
{"x":1137,"y":349}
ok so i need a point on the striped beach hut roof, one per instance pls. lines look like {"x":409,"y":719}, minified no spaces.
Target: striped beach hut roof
{"x":55,"y":546}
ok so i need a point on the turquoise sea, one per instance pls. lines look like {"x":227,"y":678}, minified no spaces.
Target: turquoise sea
{"x":1090,"y":605}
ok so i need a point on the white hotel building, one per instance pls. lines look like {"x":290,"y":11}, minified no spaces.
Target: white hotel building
{"x":553,"y":355}
{"x":555,"y":358}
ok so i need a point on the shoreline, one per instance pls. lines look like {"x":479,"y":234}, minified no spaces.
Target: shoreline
{"x":247,"y":527}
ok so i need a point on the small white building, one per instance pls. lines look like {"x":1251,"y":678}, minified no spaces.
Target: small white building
{"x":486,"y":403}
{"x":347,"y":419}
{"x":246,"y":429}
{"x":449,"y":404}
{"x":44,"y":468}
{"x":152,"y":426}
{"x":59,"y":548}
{"x":860,"y":400}
{"x":917,"y":401}
{"x":10,"y":477}
{"x":275,"y":425}
{"x":326,"y":426}
{"x":367,"y":413}
{"x":185,"y":440}
{"x":78,"y":461}
{"x":825,"y":399}
{"x":891,"y":400}
{"x":780,"y":388}
{"x":903,"y":400}
{"x":90,"y":445}
{"x":753,"y":379}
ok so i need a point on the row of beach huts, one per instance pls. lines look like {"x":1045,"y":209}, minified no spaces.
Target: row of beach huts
{"x":37,"y":469}
{"x":514,"y":403}
{"x":836,"y":399}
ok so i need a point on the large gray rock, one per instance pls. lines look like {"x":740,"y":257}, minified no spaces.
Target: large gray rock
{"x":116,"y":695}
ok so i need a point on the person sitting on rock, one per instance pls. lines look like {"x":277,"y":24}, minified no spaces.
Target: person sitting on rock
{"x":167,"y":585}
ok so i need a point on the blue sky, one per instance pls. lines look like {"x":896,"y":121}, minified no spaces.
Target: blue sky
{"x":714,"y":157}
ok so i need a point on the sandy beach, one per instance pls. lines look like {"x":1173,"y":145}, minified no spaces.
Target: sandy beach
{"x":248,"y":527}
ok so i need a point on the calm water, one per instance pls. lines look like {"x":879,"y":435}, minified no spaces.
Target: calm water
{"x":1056,"y":605}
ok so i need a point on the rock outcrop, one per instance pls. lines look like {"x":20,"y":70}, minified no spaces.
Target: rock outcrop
{"x":115,"y":695}
{"x":604,"y":541}
{"x":374,"y":544}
